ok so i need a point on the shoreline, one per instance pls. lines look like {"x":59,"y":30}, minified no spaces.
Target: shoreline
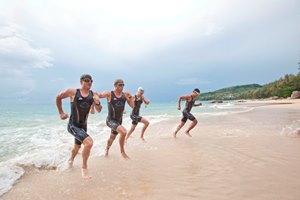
{"x":240,"y":156}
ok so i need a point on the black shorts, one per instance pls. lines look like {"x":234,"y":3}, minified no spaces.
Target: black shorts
{"x":113,"y":124}
{"x":187,"y":115}
{"x":79,"y":132}
{"x":135,"y":119}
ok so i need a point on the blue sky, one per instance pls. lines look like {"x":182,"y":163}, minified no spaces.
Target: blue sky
{"x":168,"y":47}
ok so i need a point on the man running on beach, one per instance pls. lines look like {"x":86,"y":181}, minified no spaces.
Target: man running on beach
{"x":81,"y":102}
{"x":138,"y":100}
{"x":116,"y":100}
{"x":190,"y":102}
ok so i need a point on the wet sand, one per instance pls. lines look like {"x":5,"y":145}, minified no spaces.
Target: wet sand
{"x":236,"y":156}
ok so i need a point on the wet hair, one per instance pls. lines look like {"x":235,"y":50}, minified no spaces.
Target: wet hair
{"x":196,"y":90}
{"x":141,"y":90}
{"x":84,"y":76}
{"x":118,"y":81}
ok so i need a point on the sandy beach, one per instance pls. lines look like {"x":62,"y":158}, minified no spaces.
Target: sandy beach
{"x":247,"y":155}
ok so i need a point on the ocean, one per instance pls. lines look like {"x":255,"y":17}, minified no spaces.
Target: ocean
{"x":34,"y":136}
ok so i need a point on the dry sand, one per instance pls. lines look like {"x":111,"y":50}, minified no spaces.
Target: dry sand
{"x":236,"y":156}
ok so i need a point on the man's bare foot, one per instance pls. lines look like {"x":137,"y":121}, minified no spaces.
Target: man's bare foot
{"x":174,"y":135}
{"x":70,"y":164}
{"x":188,"y":134}
{"x":106,"y":153}
{"x":84,"y":174}
{"x":142,"y":138}
{"x":125,"y":155}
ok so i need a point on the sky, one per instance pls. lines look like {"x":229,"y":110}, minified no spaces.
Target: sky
{"x":169,"y":47}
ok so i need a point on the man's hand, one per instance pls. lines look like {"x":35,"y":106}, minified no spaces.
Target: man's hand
{"x":92,"y":110}
{"x":128,"y":95}
{"x":179,"y":108}
{"x":63,"y":116}
{"x":96,"y":99}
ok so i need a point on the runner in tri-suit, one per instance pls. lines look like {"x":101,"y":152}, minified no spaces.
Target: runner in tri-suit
{"x":190,"y":102}
{"x":116,"y":100}
{"x":135,"y":114}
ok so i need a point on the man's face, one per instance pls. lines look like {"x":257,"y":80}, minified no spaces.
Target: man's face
{"x":119,"y":86}
{"x":140,"y":93}
{"x":195,"y":94}
{"x":86,"y":83}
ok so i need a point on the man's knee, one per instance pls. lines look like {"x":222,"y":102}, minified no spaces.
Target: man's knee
{"x":121,"y":130}
{"x":195,"y":121}
{"x":123,"y":133}
{"x":146,"y":123}
{"x":88,"y":142}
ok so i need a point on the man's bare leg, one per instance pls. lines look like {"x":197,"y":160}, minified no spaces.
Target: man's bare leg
{"x":122,"y":131}
{"x":88,"y":144}
{"x":192,"y":125}
{"x":109,"y":143}
{"x":130,"y":131}
{"x":178,"y":128}
{"x":74,"y":152}
{"x":146,"y":124}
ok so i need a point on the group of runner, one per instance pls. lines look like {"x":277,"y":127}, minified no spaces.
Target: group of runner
{"x":84,"y":100}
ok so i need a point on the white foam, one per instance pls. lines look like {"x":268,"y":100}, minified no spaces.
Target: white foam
{"x":222,"y":113}
{"x":9,"y":174}
{"x":291,"y":130}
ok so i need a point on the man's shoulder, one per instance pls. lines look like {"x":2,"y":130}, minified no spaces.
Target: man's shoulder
{"x":71,"y":90}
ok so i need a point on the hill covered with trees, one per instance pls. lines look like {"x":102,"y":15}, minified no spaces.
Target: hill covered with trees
{"x":281,"y":88}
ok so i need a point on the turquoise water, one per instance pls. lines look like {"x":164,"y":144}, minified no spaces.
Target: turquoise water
{"x":34,"y":135}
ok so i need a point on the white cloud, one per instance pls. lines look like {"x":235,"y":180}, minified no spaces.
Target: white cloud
{"x":17,"y":57}
{"x":123,"y":29}
{"x":117,"y":30}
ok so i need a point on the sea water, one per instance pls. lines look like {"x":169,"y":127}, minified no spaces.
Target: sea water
{"x":34,"y":136}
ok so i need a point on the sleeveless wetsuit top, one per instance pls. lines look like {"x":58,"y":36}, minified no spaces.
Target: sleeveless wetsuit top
{"x":137,"y":105}
{"x":116,"y":107}
{"x":80,"y":108}
{"x":189,"y":105}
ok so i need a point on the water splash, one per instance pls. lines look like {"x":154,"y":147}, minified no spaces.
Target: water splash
{"x":291,"y":130}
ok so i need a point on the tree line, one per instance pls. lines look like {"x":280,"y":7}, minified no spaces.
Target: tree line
{"x":280,"y":88}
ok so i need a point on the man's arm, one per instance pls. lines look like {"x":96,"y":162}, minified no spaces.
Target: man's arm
{"x":146,"y":101}
{"x":105,"y":94}
{"x":67,"y":93}
{"x":129,"y":99}
{"x":199,"y":104}
{"x":96,"y":103}
{"x":179,"y":100}
{"x":92,"y":109}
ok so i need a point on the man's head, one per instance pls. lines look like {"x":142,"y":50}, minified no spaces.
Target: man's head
{"x":196,"y":92}
{"x":141,"y":90}
{"x":119,"y":85}
{"x":86,"y":81}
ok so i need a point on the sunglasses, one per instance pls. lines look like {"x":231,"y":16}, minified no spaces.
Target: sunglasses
{"x":121,"y":84}
{"x":87,"y":80}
